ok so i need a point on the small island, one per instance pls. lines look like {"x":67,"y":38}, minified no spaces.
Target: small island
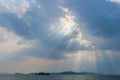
{"x":42,"y":73}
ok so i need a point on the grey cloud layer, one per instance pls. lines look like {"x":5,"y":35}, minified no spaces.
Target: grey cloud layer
{"x":101,"y":17}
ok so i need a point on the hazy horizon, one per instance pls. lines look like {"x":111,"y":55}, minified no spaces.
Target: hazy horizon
{"x":60,"y":35}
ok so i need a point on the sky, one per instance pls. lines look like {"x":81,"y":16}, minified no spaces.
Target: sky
{"x":60,"y":35}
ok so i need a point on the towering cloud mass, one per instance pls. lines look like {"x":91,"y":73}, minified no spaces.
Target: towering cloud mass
{"x":68,"y":32}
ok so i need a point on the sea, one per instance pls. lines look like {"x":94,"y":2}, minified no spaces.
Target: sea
{"x":59,"y":77}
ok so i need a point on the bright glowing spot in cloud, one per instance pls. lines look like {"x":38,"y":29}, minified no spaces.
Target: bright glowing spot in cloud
{"x":67,"y":26}
{"x":11,"y":42}
{"x":66,"y":23}
{"x":18,"y":7}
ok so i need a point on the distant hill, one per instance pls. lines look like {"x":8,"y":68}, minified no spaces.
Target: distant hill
{"x":65,"y":73}
{"x":74,"y":73}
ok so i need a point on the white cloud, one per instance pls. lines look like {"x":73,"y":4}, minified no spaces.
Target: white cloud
{"x":67,"y":25}
{"x":18,"y":7}
{"x":116,"y":1}
{"x":11,"y":42}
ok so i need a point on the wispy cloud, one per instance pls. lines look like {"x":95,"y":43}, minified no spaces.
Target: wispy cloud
{"x":14,"y":6}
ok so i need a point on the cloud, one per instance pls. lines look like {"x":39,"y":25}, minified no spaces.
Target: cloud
{"x":67,"y":23}
{"x":68,"y":28}
{"x":116,"y":1}
{"x":74,"y":33}
{"x":14,"y":6}
{"x":11,"y":43}
{"x":101,"y":21}
{"x":64,"y":28}
{"x":34,"y":25}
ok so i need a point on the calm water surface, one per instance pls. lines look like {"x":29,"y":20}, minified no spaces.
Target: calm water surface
{"x":57,"y":77}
